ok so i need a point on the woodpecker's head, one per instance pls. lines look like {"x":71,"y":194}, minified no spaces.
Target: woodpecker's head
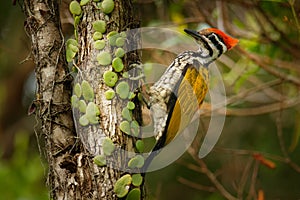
{"x":213,"y":42}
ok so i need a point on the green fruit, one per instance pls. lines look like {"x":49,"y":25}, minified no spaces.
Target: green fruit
{"x":87,"y":91}
{"x":140,"y":97}
{"x":92,"y":113}
{"x":73,"y":48}
{"x":74,"y":101}
{"x":134,"y":194}
{"x":108,"y":146}
{"x":99,"y":26}
{"x":125,"y":75}
{"x":131,"y":95}
{"x":75,"y":8}
{"x":70,"y":55}
{"x":71,"y":41}
{"x":83,"y":121}
{"x":77,"y":20}
{"x":119,"y":52}
{"x":134,"y":127}
{"x":120,"y":42}
{"x":123,"y":89}
{"x":140,"y":146}
{"x":136,"y":162}
{"x":82,"y":106}
{"x":107,"y":6}
{"x":109,"y":94}
{"x":121,"y":186}
{"x":126,"y":114}
{"x":100,"y":160}
{"x":99,"y":44}
{"x":137,"y":179}
{"x":112,"y":33}
{"x":104,"y":58}
{"x":110,"y":78}
{"x":125,"y":127}
{"x":97,"y":35}
{"x":84,"y":2}
{"x":112,"y":37}
{"x":117,"y":64}
{"x":130,"y":105}
{"x":77,"y":90}
{"x":92,"y":109}
{"x":93,"y":119}
{"x":123,"y":34}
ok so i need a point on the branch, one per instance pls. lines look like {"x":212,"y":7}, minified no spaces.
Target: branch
{"x":283,"y":35}
{"x":263,"y":109}
{"x":259,"y":110}
{"x":196,"y":185}
{"x":282,"y":144}
{"x":266,"y":66}
{"x":256,"y":81}
{"x":252,"y":193}
{"x":244,"y":178}
{"x":292,"y":164}
{"x":210,"y":175}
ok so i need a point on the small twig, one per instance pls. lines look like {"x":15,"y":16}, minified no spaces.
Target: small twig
{"x":292,"y":2}
{"x":246,"y":152}
{"x":292,"y":164}
{"x":267,"y":67}
{"x":263,"y":109}
{"x":211,"y":175}
{"x":280,"y":135}
{"x":277,"y":29}
{"x":262,"y":19}
{"x":282,"y":144}
{"x":247,"y":92}
{"x":252,"y":193}
{"x":191,"y":166}
{"x":196,"y":185}
{"x":270,"y":92}
{"x":244,"y":178}
{"x":259,"y":110}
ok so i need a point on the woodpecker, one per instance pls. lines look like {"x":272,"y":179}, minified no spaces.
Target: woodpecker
{"x":187,"y":76}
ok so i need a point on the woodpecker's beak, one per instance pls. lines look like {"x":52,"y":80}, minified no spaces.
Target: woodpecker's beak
{"x":193,"y":33}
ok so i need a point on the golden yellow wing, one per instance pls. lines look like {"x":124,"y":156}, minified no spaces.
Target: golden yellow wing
{"x":190,"y":95}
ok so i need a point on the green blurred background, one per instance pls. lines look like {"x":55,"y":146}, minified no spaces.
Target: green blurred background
{"x":262,"y":82}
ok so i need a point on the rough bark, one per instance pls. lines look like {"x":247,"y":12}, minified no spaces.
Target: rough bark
{"x":72,"y":173}
{"x":120,"y":20}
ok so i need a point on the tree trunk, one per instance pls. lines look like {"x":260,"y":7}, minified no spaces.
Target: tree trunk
{"x":72,"y":172}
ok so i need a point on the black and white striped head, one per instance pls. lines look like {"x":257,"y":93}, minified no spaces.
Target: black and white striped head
{"x":213,"y":42}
